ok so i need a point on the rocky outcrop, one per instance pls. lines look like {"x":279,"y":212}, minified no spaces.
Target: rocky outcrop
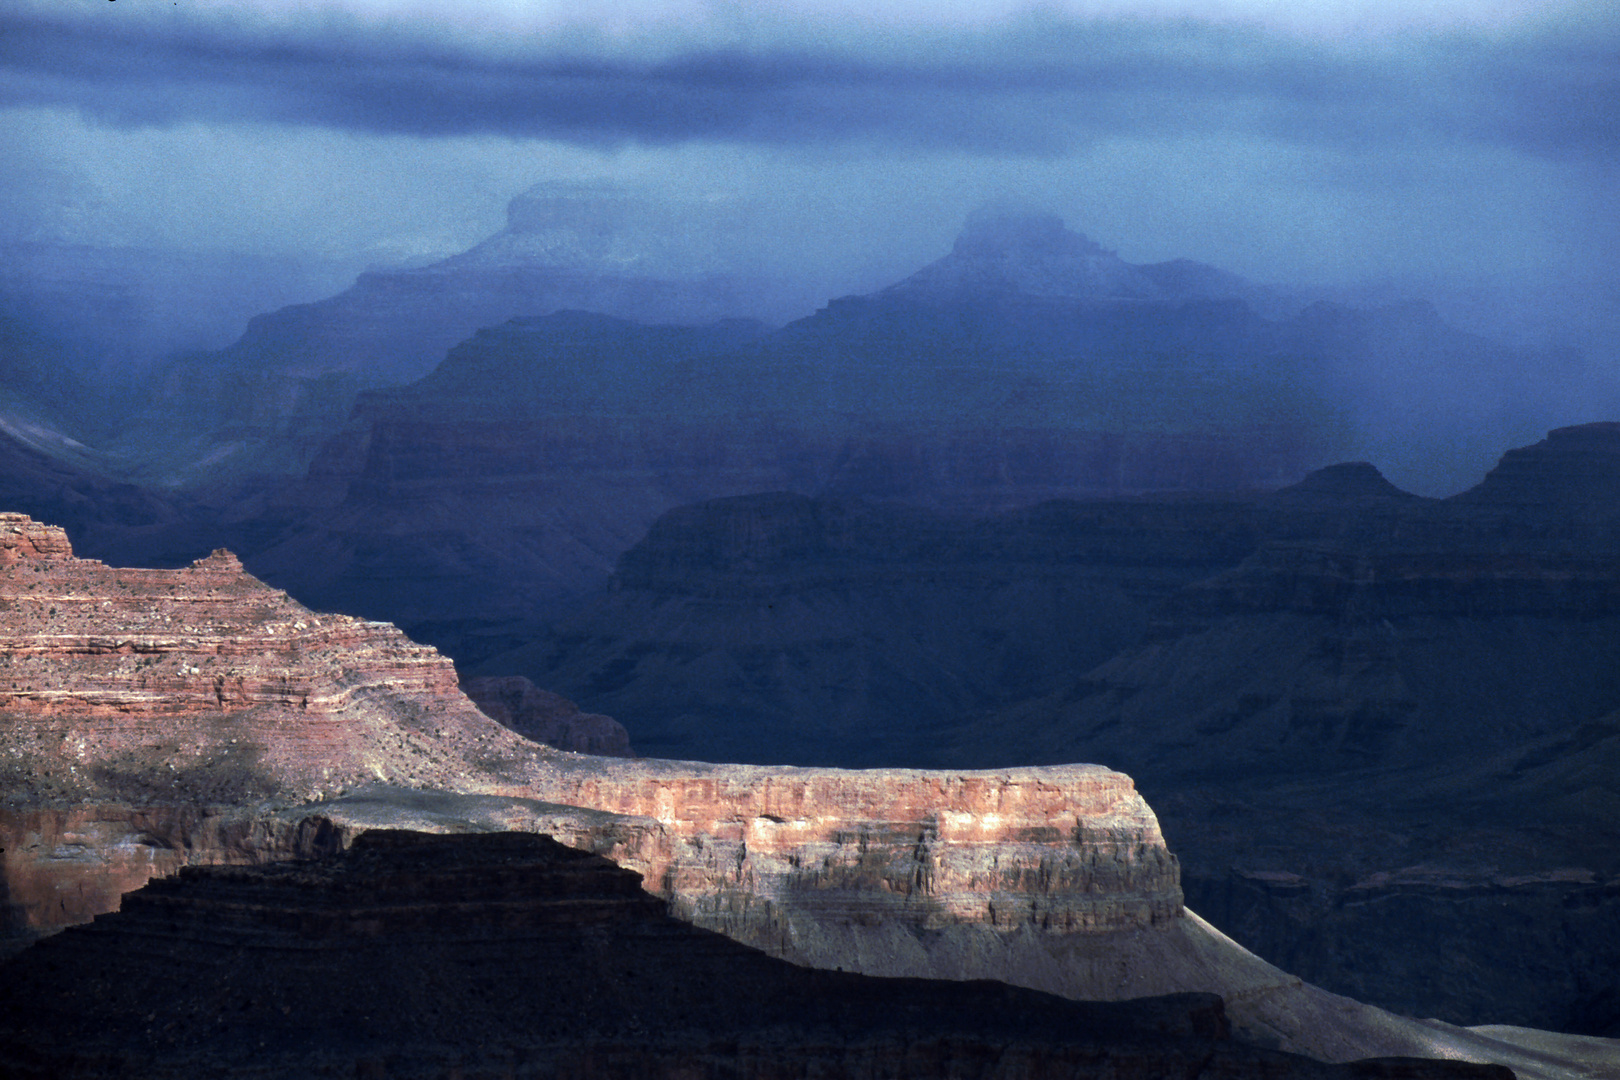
{"x":193,"y":690}
{"x":1281,"y":654}
{"x":779,"y":627}
{"x":1442,"y":671}
{"x":394,"y":958}
{"x":548,"y":718}
{"x":1055,"y":877}
{"x":205,"y":685}
{"x":1064,"y":849}
{"x":64,"y":865}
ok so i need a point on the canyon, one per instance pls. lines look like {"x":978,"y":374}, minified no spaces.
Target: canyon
{"x":509,"y":954}
{"x":266,"y":402}
{"x":1030,"y":506}
{"x":506,"y":478}
{"x":1055,"y":877}
{"x":1268,"y":668}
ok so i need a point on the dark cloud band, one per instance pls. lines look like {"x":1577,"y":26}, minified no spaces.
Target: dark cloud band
{"x":998,"y":91}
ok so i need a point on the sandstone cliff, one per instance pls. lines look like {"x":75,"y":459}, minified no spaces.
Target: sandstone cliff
{"x":1056,"y":877}
{"x":205,"y":685}
{"x":511,"y":955}
{"x":201,"y":690}
{"x":1440,"y":672}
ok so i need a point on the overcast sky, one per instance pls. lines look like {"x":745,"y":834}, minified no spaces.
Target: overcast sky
{"x":1283,"y":139}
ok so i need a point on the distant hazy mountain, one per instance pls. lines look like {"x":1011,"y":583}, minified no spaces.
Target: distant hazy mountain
{"x":117,"y":310}
{"x":1002,"y":253}
{"x":264,"y":403}
{"x":1026,"y":364}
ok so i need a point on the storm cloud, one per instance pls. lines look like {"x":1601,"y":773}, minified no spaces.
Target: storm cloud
{"x":1459,"y":147}
{"x":1035,"y":85}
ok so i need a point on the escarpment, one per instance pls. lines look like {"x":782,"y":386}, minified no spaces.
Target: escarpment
{"x":1055,"y":878}
{"x":763,"y":851}
{"x":381,"y":961}
{"x":203,"y":684}
{"x":147,"y":712}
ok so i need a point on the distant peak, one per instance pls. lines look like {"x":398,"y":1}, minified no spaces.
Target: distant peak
{"x":1351,"y":479}
{"x":1031,"y":253}
{"x":1576,"y":468}
{"x":999,"y":229}
{"x":607,"y":228}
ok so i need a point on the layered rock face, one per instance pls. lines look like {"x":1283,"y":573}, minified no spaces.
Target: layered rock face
{"x":548,"y":718}
{"x":145,"y":707}
{"x":1055,"y":878}
{"x":398,"y":958}
{"x":1065,"y":849}
{"x":1440,"y":672}
{"x":843,"y":632}
{"x":204,"y":684}
{"x":143,"y":713}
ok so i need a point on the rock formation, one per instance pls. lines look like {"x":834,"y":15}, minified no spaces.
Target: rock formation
{"x":1267,"y":667}
{"x":1443,"y":672}
{"x":510,"y":954}
{"x":537,"y":714}
{"x":778,"y":627}
{"x":203,"y":684}
{"x":200,"y":690}
{"x":1056,"y":878}
{"x":504,"y":482}
{"x":1003,"y":250}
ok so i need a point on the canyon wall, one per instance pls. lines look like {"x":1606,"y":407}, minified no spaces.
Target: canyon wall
{"x":204,"y":685}
{"x":1269,"y":669}
{"x":153,"y":717}
{"x":512,"y":955}
{"x":1054,"y":877}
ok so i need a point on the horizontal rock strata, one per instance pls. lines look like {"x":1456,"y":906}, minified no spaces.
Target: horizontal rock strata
{"x":149,"y":710}
{"x":203,"y":684}
{"x":511,"y":955}
{"x":1065,"y":848}
{"x":1056,"y":878}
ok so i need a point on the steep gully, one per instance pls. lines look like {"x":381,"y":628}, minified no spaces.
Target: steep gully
{"x":1055,"y":877}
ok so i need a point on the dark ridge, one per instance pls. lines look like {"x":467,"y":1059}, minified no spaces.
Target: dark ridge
{"x":509,"y":954}
{"x":1351,"y":479}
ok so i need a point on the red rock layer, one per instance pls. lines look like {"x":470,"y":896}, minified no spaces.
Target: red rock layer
{"x":1062,"y":848}
{"x":21,"y":537}
{"x":133,"y":701}
{"x":203,"y":683}
{"x":505,"y":955}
